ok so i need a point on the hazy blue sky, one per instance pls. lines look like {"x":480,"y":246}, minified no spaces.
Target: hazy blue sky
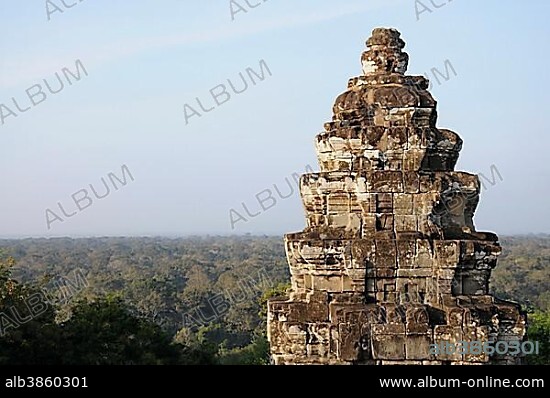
{"x":145,"y":59}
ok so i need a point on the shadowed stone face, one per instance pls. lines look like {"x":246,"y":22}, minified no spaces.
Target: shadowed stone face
{"x":390,"y":261}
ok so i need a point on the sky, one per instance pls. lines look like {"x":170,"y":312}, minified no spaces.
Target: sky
{"x":130,"y":72}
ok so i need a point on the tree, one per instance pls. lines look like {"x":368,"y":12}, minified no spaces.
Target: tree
{"x":28,"y":333}
{"x":256,"y":353}
{"x":105,"y":332}
{"x":197,"y":349}
{"x":539,"y":331}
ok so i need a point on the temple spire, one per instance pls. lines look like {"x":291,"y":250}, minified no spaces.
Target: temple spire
{"x":390,"y":263}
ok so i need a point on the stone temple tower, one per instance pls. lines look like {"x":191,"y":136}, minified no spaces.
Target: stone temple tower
{"x":390,"y":262}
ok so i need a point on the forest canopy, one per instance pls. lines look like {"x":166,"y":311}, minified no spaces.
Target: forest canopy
{"x":182,"y":301}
